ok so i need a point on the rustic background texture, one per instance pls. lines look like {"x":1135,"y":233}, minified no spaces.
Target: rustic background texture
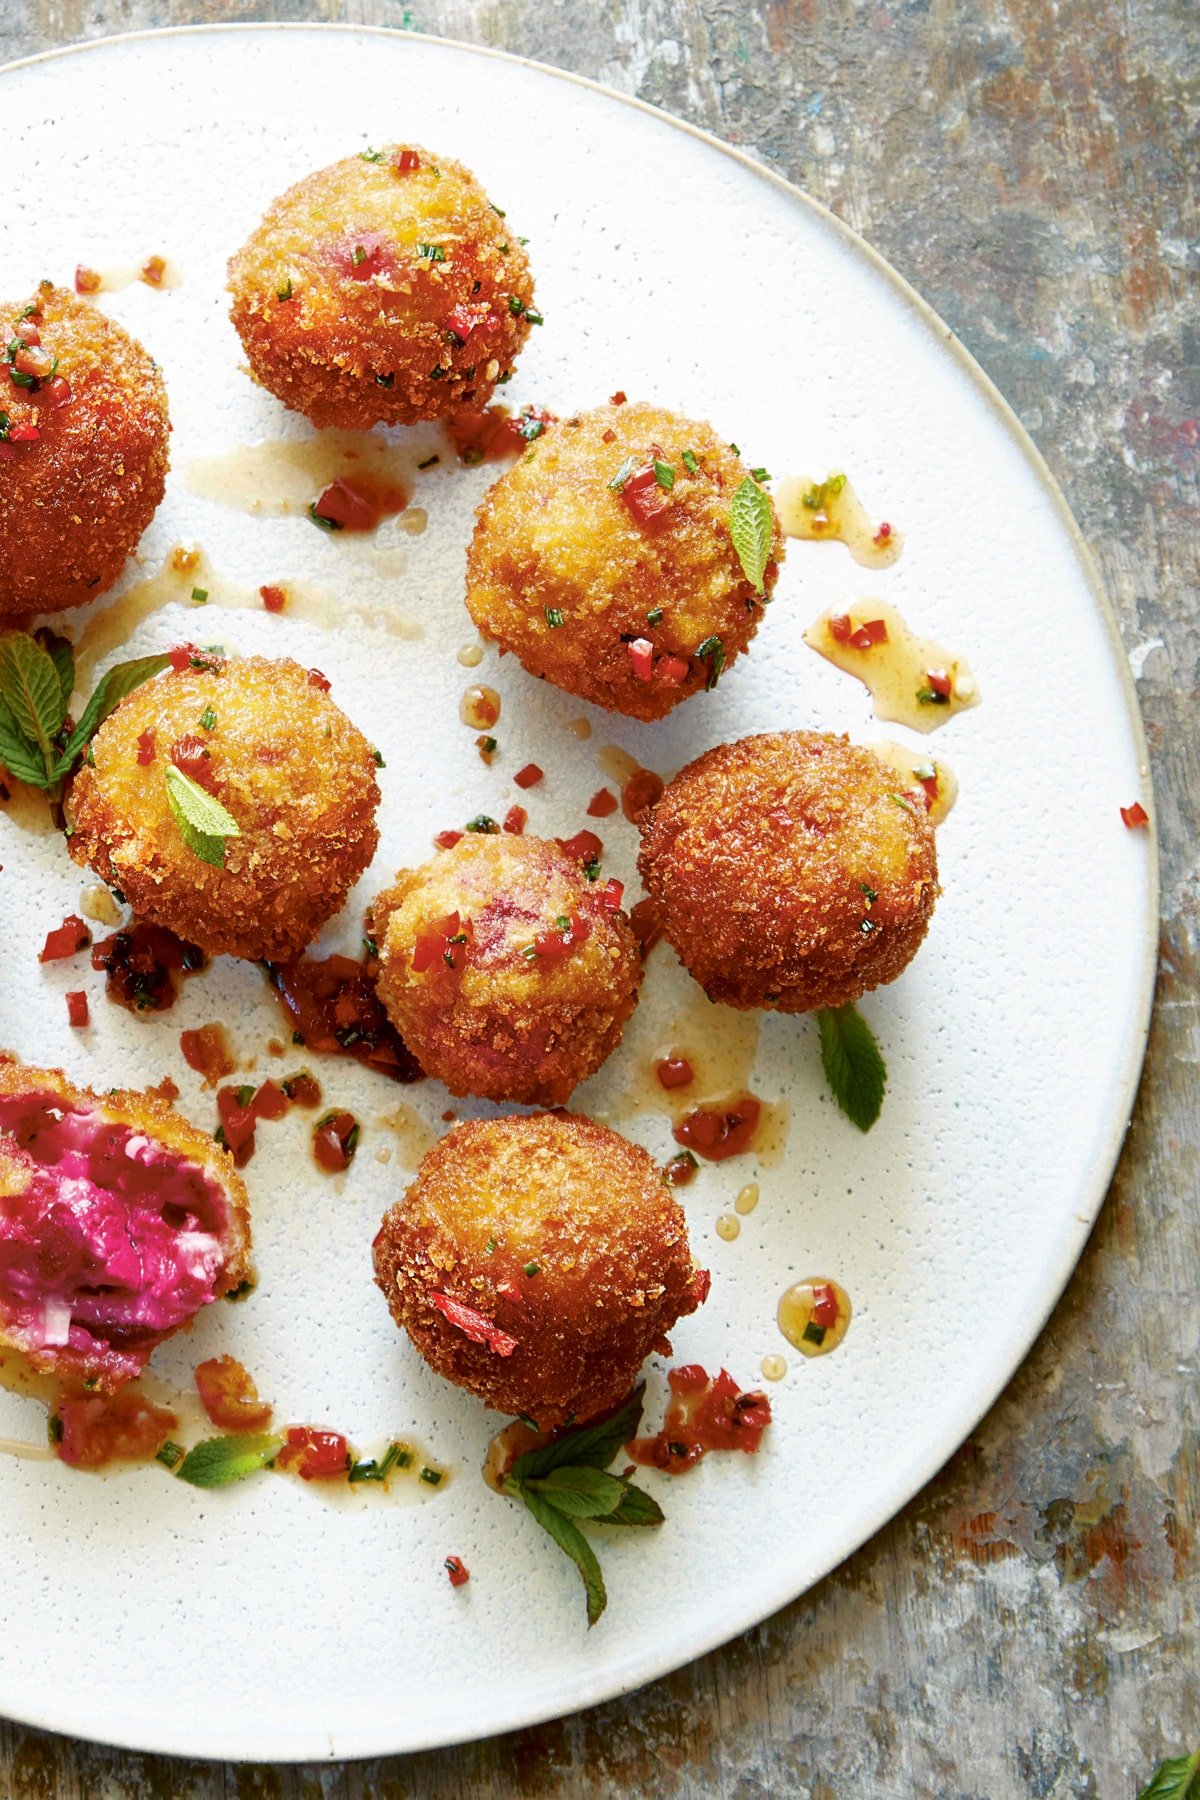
{"x":1028,"y":1626}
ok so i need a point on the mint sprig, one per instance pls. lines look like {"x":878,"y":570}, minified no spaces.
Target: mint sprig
{"x":214,"y":1462}
{"x":854,"y":1068}
{"x":204,"y":824}
{"x":566,"y":1481}
{"x":751,"y":526}
{"x":37,"y":675}
{"x":1178,"y":1778}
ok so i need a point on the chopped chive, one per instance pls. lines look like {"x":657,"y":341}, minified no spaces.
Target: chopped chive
{"x":655,"y":617}
{"x":373,"y":156}
{"x":554,"y":615}
{"x":516,"y":305}
{"x":813,"y":1334}
{"x":385,"y":381}
{"x":735,"y":449}
{"x":533,"y":318}
{"x":432,"y":253}
{"x":623,"y":473}
{"x":592,"y":870}
{"x":438,"y":373}
{"x":208,"y":719}
{"x":664,"y":474}
{"x":691,"y":461}
{"x":901,"y":801}
{"x":430,"y":461}
{"x":532,"y":1268}
{"x":482,"y":822}
{"x":358,"y":256}
{"x":869,"y":891}
{"x":930,"y":697}
{"x":712,"y":651}
{"x":490,"y":1246}
{"x":760,"y":475}
{"x":432,"y":1476}
{"x":170,"y":1455}
{"x":378,"y":755}
{"x":199,"y":595}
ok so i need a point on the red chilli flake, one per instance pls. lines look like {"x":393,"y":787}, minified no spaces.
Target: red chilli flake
{"x":1134,"y":816}
{"x":446,"y":840}
{"x":646,"y":500}
{"x":67,"y":939}
{"x":873,"y":631}
{"x":515,"y":820}
{"x":825,"y":1309}
{"x":617,"y":399}
{"x":473,"y":1325}
{"x":602,"y":803}
{"x":318,"y":680}
{"x":458,"y":1571}
{"x":840,"y":628}
{"x":406,"y":162}
{"x":273,"y":598}
{"x":77,"y":1009}
{"x":938,"y":680}
{"x":585,"y":846}
{"x":672,"y":669}
{"x":641,"y":658}
{"x":529,"y":776}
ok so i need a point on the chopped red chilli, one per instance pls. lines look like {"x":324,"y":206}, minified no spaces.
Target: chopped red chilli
{"x":703,"y":1415}
{"x":939,"y":681}
{"x":646,"y":499}
{"x":273,"y":598}
{"x":314,"y":1455}
{"x":515,"y":820}
{"x":473,"y":1325}
{"x":612,"y":895}
{"x":840,"y":628}
{"x":883,"y":534}
{"x":672,"y":669}
{"x":446,"y":840}
{"x":617,"y":399}
{"x":67,"y":939}
{"x":77,"y":1009}
{"x":87,"y":281}
{"x":873,"y":631}
{"x":602,"y":803}
{"x":1134,"y":815}
{"x":458,"y":1571}
{"x":153,"y":270}
{"x":568,"y":933}
{"x":318,"y":680}
{"x":446,"y":944}
{"x":675,"y":1072}
{"x":585,"y":845}
{"x":406,"y":162}
{"x":825,"y":1309}
{"x":720,"y":1131}
{"x":641,"y":658}
{"x":529,"y":776}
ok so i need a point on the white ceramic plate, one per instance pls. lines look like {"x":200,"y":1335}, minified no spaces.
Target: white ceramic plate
{"x":261,"y":1621}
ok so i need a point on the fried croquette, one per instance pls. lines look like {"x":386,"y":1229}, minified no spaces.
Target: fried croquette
{"x":382,"y":290}
{"x":266,"y":741}
{"x":604,"y":560}
{"x":83,"y":451}
{"x":505,"y":970}
{"x":537,"y":1262}
{"x":118,"y":1221}
{"x":789,"y":870}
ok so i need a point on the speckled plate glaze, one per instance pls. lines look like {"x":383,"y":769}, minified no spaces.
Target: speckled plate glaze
{"x":262,"y":1621}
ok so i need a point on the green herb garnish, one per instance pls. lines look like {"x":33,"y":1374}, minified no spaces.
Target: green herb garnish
{"x":930,"y":697}
{"x":200,"y":595}
{"x":664,"y":474}
{"x":822,"y":492}
{"x":760,"y":475}
{"x":395,"y":1456}
{"x":378,"y":755}
{"x":1178,"y":1778}
{"x":865,"y":888}
{"x":691,"y":461}
{"x":204,"y":824}
{"x":592,"y":870}
{"x":566,"y":1481}
{"x":286,"y":291}
{"x":854,"y":1068}
{"x":208,"y":719}
{"x":623,"y":473}
{"x":516,"y":305}
{"x":751,"y":525}
{"x":37,"y":674}
{"x":432,"y":1476}
{"x":654,"y":617}
{"x":430,"y":462}
{"x":532,"y":1268}
{"x":712,"y":651}
{"x":169,"y":1455}
{"x":385,"y":381}
{"x":431,"y":253}
{"x":533,"y":318}
{"x":216,"y":1461}
{"x":813,"y":1333}
{"x":554,"y":616}
{"x":372,"y":156}
{"x":482,"y":822}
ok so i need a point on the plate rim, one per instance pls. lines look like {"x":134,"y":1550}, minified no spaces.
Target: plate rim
{"x":360,"y":1742}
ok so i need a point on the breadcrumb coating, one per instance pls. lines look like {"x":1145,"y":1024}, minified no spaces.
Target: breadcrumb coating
{"x":375,"y":293}
{"x":559,"y":1234}
{"x":789,"y":870}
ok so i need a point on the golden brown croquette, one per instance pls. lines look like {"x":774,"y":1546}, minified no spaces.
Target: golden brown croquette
{"x":83,"y":451}
{"x":118,"y":1221}
{"x":612,"y":585}
{"x":506,"y":971}
{"x":537,"y":1261}
{"x":790,"y":871}
{"x":382,"y":290}
{"x":264,"y":738}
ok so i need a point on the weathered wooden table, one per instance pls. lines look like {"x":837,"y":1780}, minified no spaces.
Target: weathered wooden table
{"x":1027,"y":1627}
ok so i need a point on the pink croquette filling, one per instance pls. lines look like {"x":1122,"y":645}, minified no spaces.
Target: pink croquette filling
{"x":114,"y":1243}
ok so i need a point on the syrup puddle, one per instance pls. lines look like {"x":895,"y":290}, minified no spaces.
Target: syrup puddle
{"x":818,"y":510}
{"x":912,"y":680}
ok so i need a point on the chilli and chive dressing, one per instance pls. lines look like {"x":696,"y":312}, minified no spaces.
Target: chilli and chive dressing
{"x":143,"y":965}
{"x":818,"y":510}
{"x":479,"y":708}
{"x":925,"y":777}
{"x":490,"y":434}
{"x":721,"y":1128}
{"x":814,"y":1315}
{"x":241,"y":1107}
{"x":704,"y":1413}
{"x":335,"y":1011}
{"x":357,"y":503}
{"x":912,"y":680}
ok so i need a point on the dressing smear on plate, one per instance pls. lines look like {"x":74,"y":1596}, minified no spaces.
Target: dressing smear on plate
{"x":912,"y":680}
{"x":818,"y":510}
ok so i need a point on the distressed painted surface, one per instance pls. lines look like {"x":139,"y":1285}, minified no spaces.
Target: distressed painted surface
{"x":1028,"y":1627}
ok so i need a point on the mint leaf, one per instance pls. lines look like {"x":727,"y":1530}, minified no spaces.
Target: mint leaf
{"x":203,"y":822}
{"x":1176,"y":1779}
{"x":110,"y":690}
{"x":580,"y":1493}
{"x":854,"y":1069}
{"x":217,"y":1461}
{"x":593,"y":1445}
{"x":636,"y":1508}
{"x":30,"y":684}
{"x":21,"y":758}
{"x":62,"y":655}
{"x":569,"y":1538}
{"x":751,"y":526}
